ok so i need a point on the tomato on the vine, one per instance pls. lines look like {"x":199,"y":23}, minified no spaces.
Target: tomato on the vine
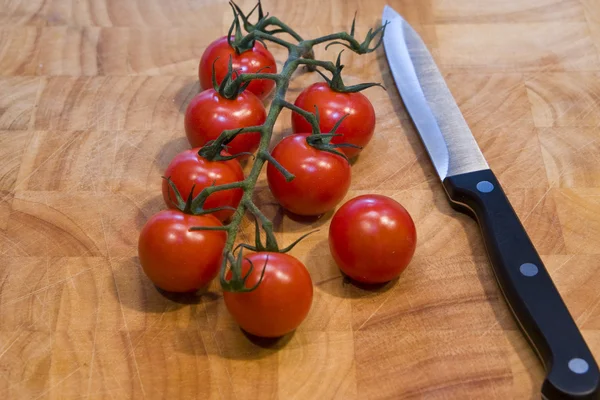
{"x":357,"y":128}
{"x":321,"y":181}
{"x":281,"y":301}
{"x":372,"y":238}
{"x":209,"y":114}
{"x":251,"y":61}
{"x":188,"y":169}
{"x":176,"y":259}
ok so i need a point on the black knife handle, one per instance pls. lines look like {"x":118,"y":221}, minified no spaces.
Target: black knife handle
{"x":572,"y":372}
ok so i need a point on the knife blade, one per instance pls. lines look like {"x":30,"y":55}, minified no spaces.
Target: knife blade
{"x":471,"y":187}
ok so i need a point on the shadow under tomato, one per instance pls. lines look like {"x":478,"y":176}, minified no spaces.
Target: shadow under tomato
{"x":303,"y":223}
{"x":274,"y":343}
{"x":241,"y":345}
{"x":148,"y":209}
{"x":185,"y":94}
{"x":356,"y":290}
{"x":135,"y":291}
{"x":279,"y":134}
{"x":347,"y":288}
{"x":170,"y":149}
{"x":189,"y":297}
{"x":263,"y":197}
{"x":308,"y":219}
{"x":234,"y":344}
{"x":339,"y":284}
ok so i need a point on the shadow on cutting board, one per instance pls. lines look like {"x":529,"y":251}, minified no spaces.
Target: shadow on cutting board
{"x":138,"y":293}
{"x":169,"y":150}
{"x":337,"y":284}
{"x":186,"y":94}
{"x":283,"y":220}
{"x":150,"y":207}
{"x":231,"y":344}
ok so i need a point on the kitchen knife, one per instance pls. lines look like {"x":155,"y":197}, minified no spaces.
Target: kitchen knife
{"x":471,"y":186}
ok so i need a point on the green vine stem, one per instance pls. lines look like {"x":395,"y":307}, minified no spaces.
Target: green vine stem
{"x":300,"y":53}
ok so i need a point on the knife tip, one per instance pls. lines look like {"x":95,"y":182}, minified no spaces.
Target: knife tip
{"x":389,"y":14}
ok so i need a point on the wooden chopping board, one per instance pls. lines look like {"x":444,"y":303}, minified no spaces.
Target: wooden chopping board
{"x":92,"y":95}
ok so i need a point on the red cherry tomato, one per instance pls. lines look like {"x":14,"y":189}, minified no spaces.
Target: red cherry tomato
{"x":209,"y":114}
{"x":372,"y":238}
{"x":251,"y":61}
{"x":188,"y":168}
{"x":177,"y":259}
{"x":357,"y":128}
{"x":280,"y":302}
{"x":321,"y":181}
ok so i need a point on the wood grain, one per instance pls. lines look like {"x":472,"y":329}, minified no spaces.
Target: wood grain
{"x":92,"y":95}
{"x":18,"y":97}
{"x":511,"y":11}
{"x":539,"y":46}
{"x":564,"y":100}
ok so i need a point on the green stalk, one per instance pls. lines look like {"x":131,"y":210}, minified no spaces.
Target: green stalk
{"x":249,"y":183}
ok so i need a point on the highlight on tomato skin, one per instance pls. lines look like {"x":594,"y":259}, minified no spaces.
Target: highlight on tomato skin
{"x":209,"y":114}
{"x":282,"y":300}
{"x":321,"y":179}
{"x":257,"y":59}
{"x":187,"y":169}
{"x":177,"y":259}
{"x":372,"y":238}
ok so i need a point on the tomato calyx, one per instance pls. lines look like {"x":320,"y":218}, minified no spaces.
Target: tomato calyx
{"x":336,"y":83}
{"x":259,"y":31}
{"x":234,"y":82}
{"x":190,"y":205}
{"x":263,"y":21}
{"x":237,"y":282}
{"x":238,"y":43}
{"x":231,"y":87}
{"x":248,"y":26}
{"x":213,"y":150}
{"x":322,"y":141}
{"x":364,"y":47}
{"x":228,"y":89}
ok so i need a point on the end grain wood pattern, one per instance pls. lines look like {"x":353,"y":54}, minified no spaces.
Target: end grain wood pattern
{"x":92,"y":95}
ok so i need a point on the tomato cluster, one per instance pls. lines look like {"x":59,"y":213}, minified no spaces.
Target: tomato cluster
{"x":182,"y":248}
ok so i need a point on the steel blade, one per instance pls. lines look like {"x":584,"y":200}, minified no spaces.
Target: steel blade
{"x":440,"y":123}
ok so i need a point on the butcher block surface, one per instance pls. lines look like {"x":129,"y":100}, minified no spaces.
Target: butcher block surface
{"x":92,"y":98}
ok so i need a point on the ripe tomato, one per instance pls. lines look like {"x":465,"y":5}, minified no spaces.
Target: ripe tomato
{"x":280,"y":302}
{"x":251,"y":61}
{"x":177,"y":259}
{"x":372,"y":238}
{"x":188,"y":168}
{"x":321,"y":178}
{"x":357,"y":128}
{"x":209,"y":114}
